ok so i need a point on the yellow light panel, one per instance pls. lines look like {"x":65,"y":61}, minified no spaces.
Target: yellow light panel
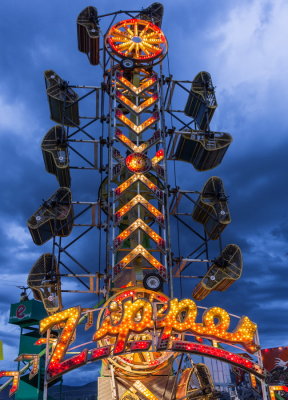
{"x":129,"y":394}
{"x":139,"y":224}
{"x":134,"y":178}
{"x":132,"y":106}
{"x":144,"y":85}
{"x":179,"y":317}
{"x":216,"y":322}
{"x":138,"y":129}
{"x":273,"y":389}
{"x":253,"y":381}
{"x":139,"y":200}
{"x":128,"y":324}
{"x":143,"y":146}
{"x":125,"y":185}
{"x":35,"y":364}
{"x":139,"y":251}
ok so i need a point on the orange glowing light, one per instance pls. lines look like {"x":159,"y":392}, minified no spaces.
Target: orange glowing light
{"x":41,"y":341}
{"x":133,"y":363}
{"x":215,"y":323}
{"x":273,"y":389}
{"x":134,"y":178}
{"x":137,"y":128}
{"x":145,"y":83}
{"x":132,"y":106}
{"x":15,"y":382}
{"x":138,"y":163}
{"x":127,"y":323}
{"x":139,"y":224}
{"x":143,"y":146}
{"x":35,"y":364}
{"x":137,"y":39}
{"x":57,"y":366}
{"x":253,"y":381}
{"x":244,"y":332}
{"x":132,"y":203}
{"x":125,"y":185}
{"x":139,"y":251}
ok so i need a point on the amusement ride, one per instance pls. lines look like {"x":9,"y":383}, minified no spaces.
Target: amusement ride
{"x":144,"y":336}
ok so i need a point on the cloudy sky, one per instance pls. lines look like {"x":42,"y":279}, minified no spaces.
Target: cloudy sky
{"x":242,"y":44}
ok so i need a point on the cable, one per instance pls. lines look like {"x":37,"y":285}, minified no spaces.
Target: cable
{"x":178,"y":230}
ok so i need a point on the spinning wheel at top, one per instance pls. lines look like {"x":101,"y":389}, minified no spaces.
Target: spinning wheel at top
{"x":137,"y":39}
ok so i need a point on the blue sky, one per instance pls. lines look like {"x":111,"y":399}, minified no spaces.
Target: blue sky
{"x":243,"y":45}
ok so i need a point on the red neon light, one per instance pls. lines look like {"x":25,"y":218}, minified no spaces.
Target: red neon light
{"x":132,"y":106}
{"x":137,"y":128}
{"x":218,"y":353}
{"x":138,"y":163}
{"x":55,"y":368}
{"x":145,"y":83}
{"x":100,"y":352}
{"x":132,"y":203}
{"x":140,"y":345}
{"x":150,"y":43}
{"x":120,"y":347}
{"x":143,"y":146}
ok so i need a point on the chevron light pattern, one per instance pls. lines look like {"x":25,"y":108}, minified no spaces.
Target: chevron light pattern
{"x":136,"y":111}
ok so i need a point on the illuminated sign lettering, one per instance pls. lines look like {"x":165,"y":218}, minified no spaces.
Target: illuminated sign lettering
{"x":126,"y":314}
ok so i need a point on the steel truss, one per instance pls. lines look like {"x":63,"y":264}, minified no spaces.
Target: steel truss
{"x":116,"y":164}
{"x":200,"y":253}
{"x":87,"y":214}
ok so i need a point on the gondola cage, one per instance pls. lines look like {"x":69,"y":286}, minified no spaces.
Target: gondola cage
{"x":225,"y":270}
{"x":201,"y":103}
{"x":153,"y":13}
{"x":211,"y":208}
{"x":55,"y":154}
{"x":204,"y":150}
{"x":53,"y":218}
{"x":44,"y":280}
{"x":63,"y":101}
{"x":88,"y":33}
